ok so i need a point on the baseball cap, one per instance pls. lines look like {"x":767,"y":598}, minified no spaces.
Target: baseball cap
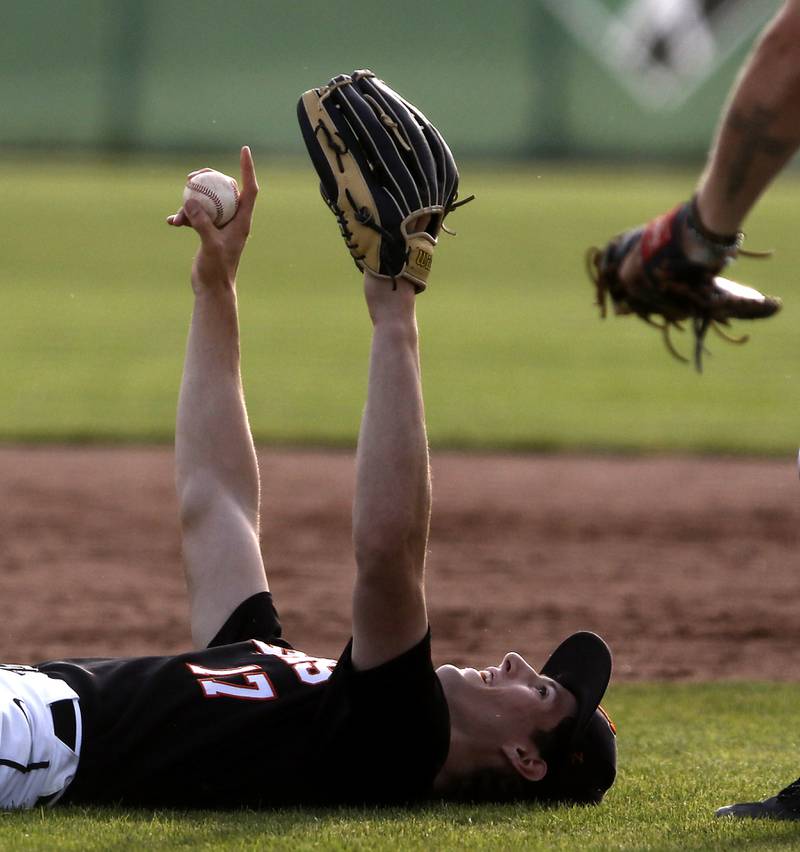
{"x":585,"y":766}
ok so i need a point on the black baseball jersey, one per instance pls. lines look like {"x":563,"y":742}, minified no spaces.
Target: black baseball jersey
{"x":252,"y":721}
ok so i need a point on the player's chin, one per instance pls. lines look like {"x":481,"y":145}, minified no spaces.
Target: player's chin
{"x":454,"y":677}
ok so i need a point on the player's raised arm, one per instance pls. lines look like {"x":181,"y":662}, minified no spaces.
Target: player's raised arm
{"x":390,"y":179}
{"x":391,"y":510}
{"x":759,"y":130}
{"x":216,"y":467}
{"x":668,"y":271}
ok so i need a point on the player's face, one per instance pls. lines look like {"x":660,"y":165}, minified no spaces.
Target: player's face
{"x":504,"y":702}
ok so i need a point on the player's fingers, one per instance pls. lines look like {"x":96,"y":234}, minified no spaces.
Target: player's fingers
{"x":632,"y":266}
{"x":178,"y":219}
{"x":199,"y":219}
{"x":247,"y":198}
{"x":419,"y":224}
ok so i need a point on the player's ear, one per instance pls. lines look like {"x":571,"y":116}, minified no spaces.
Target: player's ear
{"x":525,"y":759}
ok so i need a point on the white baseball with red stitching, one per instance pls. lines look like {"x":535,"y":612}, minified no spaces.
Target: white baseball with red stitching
{"x":217,"y":193}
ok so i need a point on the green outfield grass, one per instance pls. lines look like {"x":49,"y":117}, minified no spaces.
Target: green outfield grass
{"x":96,"y":305}
{"x":683,"y":750}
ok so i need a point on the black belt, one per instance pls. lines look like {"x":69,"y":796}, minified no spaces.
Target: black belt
{"x":65,"y":725}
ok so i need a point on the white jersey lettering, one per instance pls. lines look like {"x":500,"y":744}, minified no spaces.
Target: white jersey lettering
{"x":251,"y":682}
{"x":311,"y":670}
{"x":259,"y":688}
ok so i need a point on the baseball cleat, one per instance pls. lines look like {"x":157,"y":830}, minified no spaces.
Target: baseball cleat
{"x":785,"y":806}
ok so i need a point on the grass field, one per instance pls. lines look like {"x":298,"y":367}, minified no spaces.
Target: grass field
{"x":684,"y":750}
{"x":96,"y":306}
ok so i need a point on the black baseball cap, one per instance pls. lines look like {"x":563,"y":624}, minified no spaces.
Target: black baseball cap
{"x":585,"y":765}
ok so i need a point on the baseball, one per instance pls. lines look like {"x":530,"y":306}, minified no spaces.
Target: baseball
{"x":217,"y":193}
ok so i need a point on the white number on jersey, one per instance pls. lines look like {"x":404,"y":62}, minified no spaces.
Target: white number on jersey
{"x":251,"y":682}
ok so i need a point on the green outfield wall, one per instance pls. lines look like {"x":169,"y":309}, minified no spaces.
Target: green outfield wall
{"x":509,"y":78}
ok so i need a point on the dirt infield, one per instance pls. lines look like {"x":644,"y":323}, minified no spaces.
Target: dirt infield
{"x":687,"y":566}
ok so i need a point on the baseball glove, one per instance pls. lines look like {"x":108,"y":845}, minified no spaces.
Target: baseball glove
{"x":385,"y":172}
{"x":646,"y":271}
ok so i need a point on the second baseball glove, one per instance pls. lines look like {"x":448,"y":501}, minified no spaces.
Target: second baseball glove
{"x":646,"y":271}
{"x":385,"y":172}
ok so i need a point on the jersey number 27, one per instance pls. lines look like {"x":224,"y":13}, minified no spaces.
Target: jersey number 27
{"x":252,"y":683}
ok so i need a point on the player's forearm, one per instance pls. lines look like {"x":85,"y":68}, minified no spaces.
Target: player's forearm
{"x":392,"y":504}
{"x":215,"y":456}
{"x":760,"y":129}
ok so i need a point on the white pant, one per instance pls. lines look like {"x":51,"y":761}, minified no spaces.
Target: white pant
{"x":34,"y":762}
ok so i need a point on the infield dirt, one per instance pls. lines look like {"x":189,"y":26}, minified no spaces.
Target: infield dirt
{"x":687,"y":566}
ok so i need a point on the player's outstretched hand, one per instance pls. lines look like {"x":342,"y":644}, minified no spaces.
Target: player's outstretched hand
{"x":217,"y":260}
{"x":667,"y":272}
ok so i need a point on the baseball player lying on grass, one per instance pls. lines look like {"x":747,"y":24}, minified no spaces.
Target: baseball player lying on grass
{"x":245,"y":718}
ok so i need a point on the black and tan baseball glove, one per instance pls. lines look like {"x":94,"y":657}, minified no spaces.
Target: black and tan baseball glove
{"x":647,"y":271}
{"x":385,"y":172}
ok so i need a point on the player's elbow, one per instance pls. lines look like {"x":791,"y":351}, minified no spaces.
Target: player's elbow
{"x":380,"y":558}
{"x":389,"y":587}
{"x":202,"y":497}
